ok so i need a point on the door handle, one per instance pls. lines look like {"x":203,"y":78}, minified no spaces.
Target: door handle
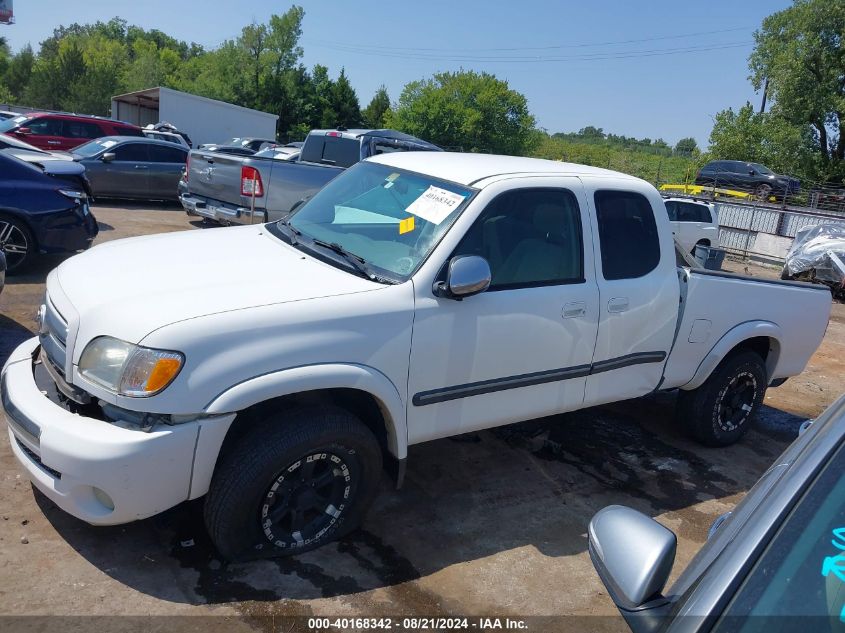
{"x":140,"y":167}
{"x":617,"y":304}
{"x":574,"y":309}
{"x":54,"y":142}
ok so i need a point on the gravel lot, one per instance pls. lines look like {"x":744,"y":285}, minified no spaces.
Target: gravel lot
{"x":489,"y":523}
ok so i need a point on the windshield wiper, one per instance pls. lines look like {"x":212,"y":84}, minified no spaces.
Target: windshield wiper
{"x":356,"y":261}
{"x":294,"y":232}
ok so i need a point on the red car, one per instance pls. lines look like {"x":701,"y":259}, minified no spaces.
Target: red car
{"x":51,"y":131}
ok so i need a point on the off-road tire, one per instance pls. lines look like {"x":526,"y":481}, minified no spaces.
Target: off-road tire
{"x":270,"y":460}
{"x":714,"y":414}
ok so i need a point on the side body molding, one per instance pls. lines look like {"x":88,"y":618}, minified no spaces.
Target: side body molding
{"x":732,"y":338}
{"x":323,"y":376}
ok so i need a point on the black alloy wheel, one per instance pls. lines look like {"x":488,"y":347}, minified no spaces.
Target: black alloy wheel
{"x":737,"y":401}
{"x":307,"y":499}
{"x":16,"y":243}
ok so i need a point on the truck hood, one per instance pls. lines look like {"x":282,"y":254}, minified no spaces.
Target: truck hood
{"x":129,"y":288}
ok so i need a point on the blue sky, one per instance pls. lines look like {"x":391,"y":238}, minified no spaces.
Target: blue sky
{"x":644,"y":69}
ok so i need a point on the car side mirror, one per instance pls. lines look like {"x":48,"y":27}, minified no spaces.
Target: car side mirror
{"x":108,"y":157}
{"x":24,"y":130}
{"x":467,"y":275}
{"x":633,"y":555}
{"x":751,"y":172}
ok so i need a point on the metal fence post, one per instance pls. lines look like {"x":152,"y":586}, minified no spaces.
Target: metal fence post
{"x":748,"y":235}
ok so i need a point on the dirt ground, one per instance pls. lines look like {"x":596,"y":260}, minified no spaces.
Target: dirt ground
{"x":493,"y":523}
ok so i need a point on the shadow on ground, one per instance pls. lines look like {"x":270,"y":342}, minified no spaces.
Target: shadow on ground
{"x":12,"y":334}
{"x":137,"y":205}
{"x":535,"y":484}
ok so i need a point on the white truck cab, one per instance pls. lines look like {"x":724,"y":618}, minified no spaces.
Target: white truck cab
{"x":414,"y":297}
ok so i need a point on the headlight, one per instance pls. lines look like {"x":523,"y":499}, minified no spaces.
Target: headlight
{"x":127,"y":369}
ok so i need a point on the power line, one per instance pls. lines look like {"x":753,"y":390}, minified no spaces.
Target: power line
{"x":374,"y":47}
{"x":598,"y":56}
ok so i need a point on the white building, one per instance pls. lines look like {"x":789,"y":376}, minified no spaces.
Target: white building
{"x":204,"y":120}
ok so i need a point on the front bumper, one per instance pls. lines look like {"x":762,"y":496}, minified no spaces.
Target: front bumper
{"x":220,"y":212}
{"x":85,"y":465}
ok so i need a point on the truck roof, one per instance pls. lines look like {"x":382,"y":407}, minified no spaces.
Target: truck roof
{"x":468,"y":169}
{"x":380,"y":133}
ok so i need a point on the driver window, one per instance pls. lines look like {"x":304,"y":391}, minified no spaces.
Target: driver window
{"x":530,"y":237}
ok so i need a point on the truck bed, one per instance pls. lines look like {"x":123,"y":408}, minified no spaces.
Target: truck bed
{"x":715,"y":305}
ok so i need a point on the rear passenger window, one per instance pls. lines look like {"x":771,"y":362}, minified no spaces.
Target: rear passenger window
{"x":630,"y":247}
{"x":162,"y":154}
{"x":693,"y":212}
{"x":530,"y":237}
{"x":131,"y":152}
{"x":82,"y":129}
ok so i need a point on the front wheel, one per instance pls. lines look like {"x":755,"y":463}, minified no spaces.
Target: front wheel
{"x":719,"y":412}
{"x":762,"y":192}
{"x":296,"y":482}
{"x":16,"y":243}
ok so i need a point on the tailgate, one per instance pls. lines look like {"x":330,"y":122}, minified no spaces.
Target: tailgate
{"x":216,"y":176}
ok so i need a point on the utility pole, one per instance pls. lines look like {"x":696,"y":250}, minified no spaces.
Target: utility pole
{"x":765,"y":94}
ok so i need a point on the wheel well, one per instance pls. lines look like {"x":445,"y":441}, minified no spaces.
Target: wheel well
{"x":360,"y":403}
{"x":760,"y":345}
{"x":765,"y":347}
{"x":703,"y":242}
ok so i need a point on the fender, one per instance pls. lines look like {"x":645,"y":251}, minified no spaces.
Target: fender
{"x":732,"y":338}
{"x":314,"y":378}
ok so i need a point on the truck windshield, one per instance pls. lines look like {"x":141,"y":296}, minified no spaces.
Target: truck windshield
{"x":388,"y":217}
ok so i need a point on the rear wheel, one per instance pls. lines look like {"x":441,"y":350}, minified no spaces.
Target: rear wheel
{"x":17,"y":244}
{"x":719,"y":412}
{"x":293,"y":484}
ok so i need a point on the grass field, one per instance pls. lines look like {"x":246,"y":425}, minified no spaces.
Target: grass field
{"x":655,"y":168}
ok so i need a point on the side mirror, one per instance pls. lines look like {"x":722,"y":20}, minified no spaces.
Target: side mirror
{"x":751,"y":172}
{"x":633,"y":555}
{"x":24,"y":131}
{"x":467,"y":275}
{"x":108,"y":157}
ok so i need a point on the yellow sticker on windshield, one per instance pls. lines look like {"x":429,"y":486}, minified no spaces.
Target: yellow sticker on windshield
{"x":406,"y":225}
{"x":392,"y":177}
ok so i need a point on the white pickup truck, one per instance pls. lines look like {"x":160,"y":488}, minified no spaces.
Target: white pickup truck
{"x":416,"y":296}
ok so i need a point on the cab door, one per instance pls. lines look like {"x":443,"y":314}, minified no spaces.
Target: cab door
{"x":126,"y":175}
{"x":523,"y":348}
{"x":44,"y":132}
{"x":638,"y":291}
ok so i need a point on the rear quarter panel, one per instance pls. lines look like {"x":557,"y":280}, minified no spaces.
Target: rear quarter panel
{"x":721,"y":308}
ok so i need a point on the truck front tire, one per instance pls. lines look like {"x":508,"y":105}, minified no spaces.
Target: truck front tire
{"x":297,"y":481}
{"x":719,"y":412}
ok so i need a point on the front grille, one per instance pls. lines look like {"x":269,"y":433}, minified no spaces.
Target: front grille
{"x":37,"y":460}
{"x":53,"y":336}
